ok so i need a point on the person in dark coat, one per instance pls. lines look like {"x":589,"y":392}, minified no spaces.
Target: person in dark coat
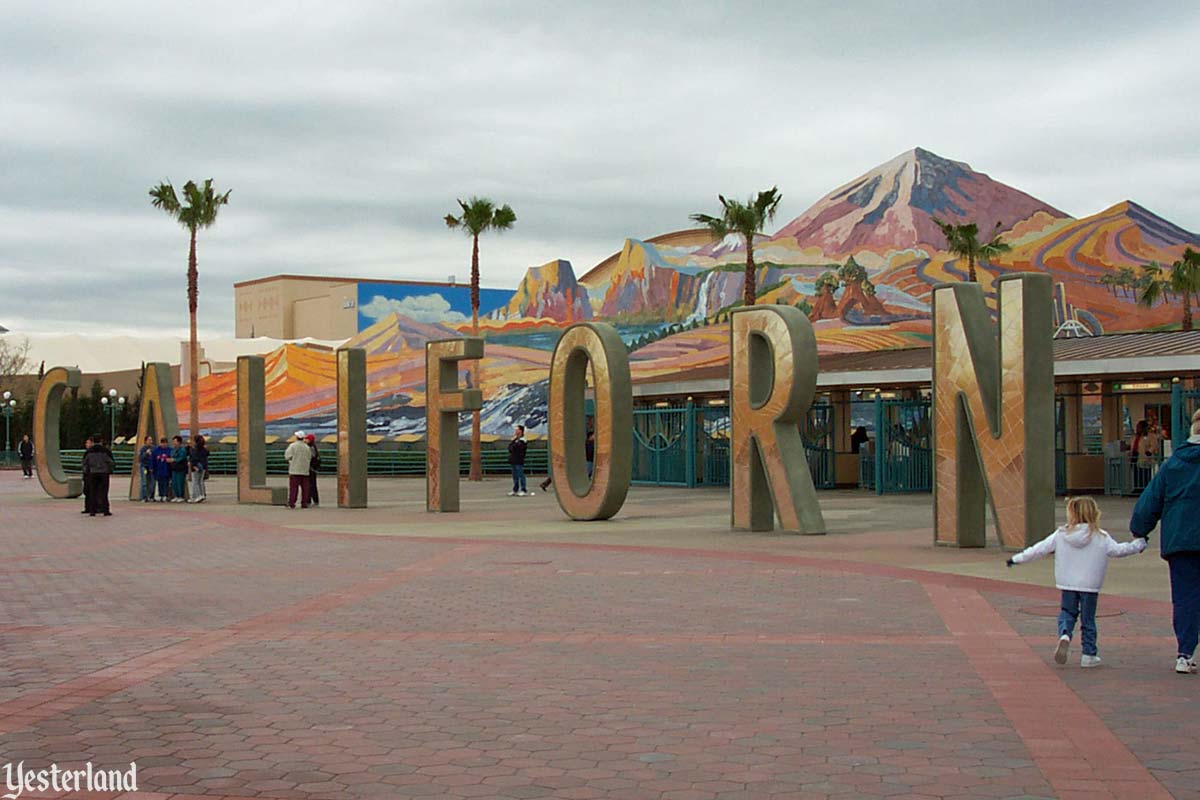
{"x":313,"y":466}
{"x":1172,"y":498}
{"x":858,"y":439}
{"x":198,"y":466}
{"x":179,"y":470}
{"x":516,"y":460}
{"x":145,"y":466}
{"x":87,"y":489}
{"x":25,"y":452}
{"x":162,"y":469}
{"x":98,"y":467}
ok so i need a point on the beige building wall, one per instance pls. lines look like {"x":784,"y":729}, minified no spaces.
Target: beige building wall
{"x":296,"y":307}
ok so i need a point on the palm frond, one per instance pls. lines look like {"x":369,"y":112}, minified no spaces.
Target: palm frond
{"x":452,"y":221}
{"x":716,"y":225}
{"x":503,"y":218}
{"x":1150,"y":293}
{"x":163,"y":197}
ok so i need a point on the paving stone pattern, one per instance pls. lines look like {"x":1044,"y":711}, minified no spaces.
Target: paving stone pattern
{"x":256,"y":660}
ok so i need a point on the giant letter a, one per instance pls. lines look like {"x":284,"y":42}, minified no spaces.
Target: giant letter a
{"x":993,"y":421}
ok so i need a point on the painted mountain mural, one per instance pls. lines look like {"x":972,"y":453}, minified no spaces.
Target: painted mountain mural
{"x":548,"y":292}
{"x":861,"y":262}
{"x":893,"y":206}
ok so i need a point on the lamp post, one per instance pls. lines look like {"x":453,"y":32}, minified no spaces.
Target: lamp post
{"x":111,"y":405}
{"x":10,"y":406}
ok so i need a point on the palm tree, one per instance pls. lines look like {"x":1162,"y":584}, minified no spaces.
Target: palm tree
{"x":199,"y":210}
{"x":1127,"y":279}
{"x":1110,"y":281}
{"x":1184,"y":281}
{"x":746,"y":219}
{"x":963,"y":241}
{"x":479,"y":214}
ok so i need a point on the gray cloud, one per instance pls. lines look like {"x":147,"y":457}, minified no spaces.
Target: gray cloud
{"x":347,"y":131}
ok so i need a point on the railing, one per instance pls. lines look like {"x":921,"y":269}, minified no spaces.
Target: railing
{"x":1124,"y":477}
{"x":1184,"y":403}
{"x":903,"y":446}
{"x":379,"y":462}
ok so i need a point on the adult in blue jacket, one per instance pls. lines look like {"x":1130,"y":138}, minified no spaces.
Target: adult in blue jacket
{"x":1173,"y":497}
{"x":162,"y":469}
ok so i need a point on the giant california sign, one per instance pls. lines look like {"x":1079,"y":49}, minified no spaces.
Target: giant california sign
{"x":993,"y":401}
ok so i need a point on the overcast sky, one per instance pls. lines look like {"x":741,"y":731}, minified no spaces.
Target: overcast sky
{"x":346,"y":130}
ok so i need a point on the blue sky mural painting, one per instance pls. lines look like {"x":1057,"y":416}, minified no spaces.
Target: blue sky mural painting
{"x":430,"y":304}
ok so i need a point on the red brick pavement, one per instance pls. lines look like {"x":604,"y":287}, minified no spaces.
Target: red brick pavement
{"x":261,"y":662}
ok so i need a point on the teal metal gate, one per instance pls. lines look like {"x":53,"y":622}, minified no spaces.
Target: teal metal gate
{"x":712,"y":446}
{"x":1060,"y":446}
{"x":903,"y":446}
{"x":689,"y":445}
{"x":662,"y":446}
{"x":1184,"y":403}
{"x":817,"y":431}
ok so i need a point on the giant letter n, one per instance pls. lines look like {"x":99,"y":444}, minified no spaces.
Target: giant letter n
{"x":774,"y":364}
{"x":993,"y":421}
{"x":443,"y":403}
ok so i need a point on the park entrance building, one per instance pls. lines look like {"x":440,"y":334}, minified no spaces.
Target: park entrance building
{"x":1104,"y":386}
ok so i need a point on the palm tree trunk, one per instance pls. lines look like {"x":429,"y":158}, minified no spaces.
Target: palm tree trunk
{"x":750,"y":287}
{"x":476,"y":473}
{"x":1187,"y":310}
{"x":193,"y":344}
{"x":971,"y":276}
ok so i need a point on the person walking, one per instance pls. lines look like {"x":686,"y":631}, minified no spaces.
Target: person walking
{"x":299,"y":461}
{"x":516,"y":460}
{"x":589,"y":455}
{"x":1081,"y":551}
{"x":145,"y":467}
{"x":1171,"y":499}
{"x":179,"y":470}
{"x":25,"y":453}
{"x":198,"y":466}
{"x":98,"y":467}
{"x":313,"y":466}
{"x":162,"y":469}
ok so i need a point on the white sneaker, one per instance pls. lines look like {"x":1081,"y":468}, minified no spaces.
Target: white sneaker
{"x":512,"y":494}
{"x":1089,"y":661}
{"x":522,"y":494}
{"x":1060,"y":652}
{"x":1185,"y":666}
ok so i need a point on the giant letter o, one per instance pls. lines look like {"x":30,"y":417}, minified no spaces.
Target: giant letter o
{"x":602,"y":495}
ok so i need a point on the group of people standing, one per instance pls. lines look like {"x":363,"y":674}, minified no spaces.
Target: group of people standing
{"x":172,"y":471}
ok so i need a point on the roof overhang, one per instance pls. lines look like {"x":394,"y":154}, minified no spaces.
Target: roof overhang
{"x":923,"y":376}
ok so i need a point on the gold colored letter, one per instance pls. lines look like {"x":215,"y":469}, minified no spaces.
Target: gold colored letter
{"x":774,"y":365}
{"x":156,"y":418}
{"x":46,"y":442}
{"x":252,"y":434}
{"x":443,"y":403}
{"x":993,"y":422}
{"x":352,"y":427}
{"x":601,"y":495}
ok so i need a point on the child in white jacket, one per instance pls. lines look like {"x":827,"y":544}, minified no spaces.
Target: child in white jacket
{"x":1081,"y":552}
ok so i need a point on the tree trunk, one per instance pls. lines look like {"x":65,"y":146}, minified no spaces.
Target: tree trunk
{"x":193,"y":344}
{"x":971,"y":269}
{"x":476,"y":472}
{"x":1187,"y":311}
{"x":750,"y":287}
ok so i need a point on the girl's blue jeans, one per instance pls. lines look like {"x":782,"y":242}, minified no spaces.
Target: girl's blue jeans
{"x":1079,"y":606}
